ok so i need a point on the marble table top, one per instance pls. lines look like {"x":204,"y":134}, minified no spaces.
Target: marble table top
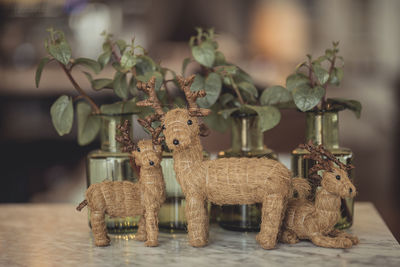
{"x":58,"y":235}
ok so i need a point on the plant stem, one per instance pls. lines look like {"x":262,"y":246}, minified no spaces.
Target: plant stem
{"x":80,"y":90}
{"x":236,"y":89}
{"x":310,"y":72}
{"x":323,"y":103}
{"x":115,"y":54}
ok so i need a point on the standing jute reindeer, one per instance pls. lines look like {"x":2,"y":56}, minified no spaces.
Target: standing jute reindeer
{"x":124,"y":198}
{"x":220,"y":181}
{"x":316,"y":221}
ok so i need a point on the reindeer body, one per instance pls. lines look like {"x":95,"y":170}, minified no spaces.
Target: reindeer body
{"x":316,"y":220}
{"x":124,"y":198}
{"x":248,"y":179}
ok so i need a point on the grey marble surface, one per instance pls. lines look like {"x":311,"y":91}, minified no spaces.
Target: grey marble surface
{"x":57,"y":235}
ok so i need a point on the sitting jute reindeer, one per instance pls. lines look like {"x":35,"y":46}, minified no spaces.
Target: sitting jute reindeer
{"x":124,"y":198}
{"x":315,"y":221}
{"x":220,"y":181}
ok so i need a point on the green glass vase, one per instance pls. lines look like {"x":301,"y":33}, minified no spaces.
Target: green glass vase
{"x":109,"y":163}
{"x":247,"y":140}
{"x":323,"y":128}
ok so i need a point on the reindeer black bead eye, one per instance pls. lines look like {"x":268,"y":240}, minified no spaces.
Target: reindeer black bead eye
{"x":337,"y":177}
{"x":138,"y":149}
{"x":151,"y":163}
{"x":189,"y":122}
{"x":163,"y":127}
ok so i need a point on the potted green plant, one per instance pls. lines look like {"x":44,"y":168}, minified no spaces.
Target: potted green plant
{"x":130,"y":63}
{"x":236,"y":104}
{"x":306,"y":90}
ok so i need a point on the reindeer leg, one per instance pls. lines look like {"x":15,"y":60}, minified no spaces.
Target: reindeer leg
{"x":151,"y":217}
{"x":331,"y":242}
{"x":272,"y":214}
{"x":141,"y":232}
{"x":339,"y":233}
{"x":289,"y":237}
{"x":197,"y":218}
{"x":99,"y":229}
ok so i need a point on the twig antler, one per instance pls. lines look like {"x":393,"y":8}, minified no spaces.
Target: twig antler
{"x":128,"y":145}
{"x":323,"y":159}
{"x":152,"y":101}
{"x":155,"y":132}
{"x":191,"y":96}
{"x":124,"y":138}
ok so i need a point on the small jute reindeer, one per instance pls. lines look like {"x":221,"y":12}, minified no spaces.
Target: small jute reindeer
{"x":220,"y":181}
{"x":124,"y":198}
{"x":315,"y":221}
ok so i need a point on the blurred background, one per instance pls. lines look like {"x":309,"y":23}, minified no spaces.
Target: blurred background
{"x":266,"y":38}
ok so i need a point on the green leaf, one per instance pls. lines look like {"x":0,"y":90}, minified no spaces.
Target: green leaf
{"x":336,"y":76}
{"x":212,"y":86}
{"x":62,"y":114}
{"x":306,"y":97}
{"x":149,"y":75}
{"x":89,"y":63}
{"x":230,"y":69}
{"x":117,"y":66}
{"x":198,"y":83}
{"x":185,"y":62}
{"x":99,"y":84}
{"x":120,"y":85}
{"x":275,"y":95}
{"x":122,"y":107}
{"x":329,"y":53}
{"x":321,"y":59}
{"x":88,"y":124}
{"x":296,"y":80}
{"x":216,"y":121}
{"x":226,"y":113}
{"x":132,"y":86}
{"x":249,"y":88}
{"x":60,"y":49}
{"x":321,"y":74}
{"x":219,"y":59}
{"x":39,"y":70}
{"x":224,"y":99}
{"x":268,"y":116}
{"x":144,"y":64}
{"x":300,"y":65}
{"x":121,"y":45}
{"x":350,"y":104}
{"x":128,"y":60}
{"x":242,"y":76}
{"x":104,"y":58}
{"x":204,"y":54}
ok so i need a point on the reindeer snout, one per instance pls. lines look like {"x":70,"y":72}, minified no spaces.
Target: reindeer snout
{"x":175,"y":142}
{"x":352,"y":191}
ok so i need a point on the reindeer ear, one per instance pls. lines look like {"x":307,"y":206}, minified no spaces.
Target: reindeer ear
{"x":204,"y":130}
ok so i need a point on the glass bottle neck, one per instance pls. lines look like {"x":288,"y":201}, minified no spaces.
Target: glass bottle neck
{"x":246,"y":134}
{"x":323,"y":128}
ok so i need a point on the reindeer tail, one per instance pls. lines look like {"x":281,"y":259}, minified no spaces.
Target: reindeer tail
{"x":301,"y":186}
{"x":81,"y":205}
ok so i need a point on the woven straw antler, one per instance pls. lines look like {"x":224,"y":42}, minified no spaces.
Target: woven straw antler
{"x":155,"y":132}
{"x":152,"y":101}
{"x":191,"y":96}
{"x":124,"y":138}
{"x":323,"y":159}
